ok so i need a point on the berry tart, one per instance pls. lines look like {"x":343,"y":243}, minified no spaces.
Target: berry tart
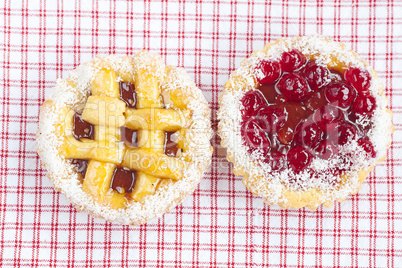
{"x":304,"y":121}
{"x":125,"y":138}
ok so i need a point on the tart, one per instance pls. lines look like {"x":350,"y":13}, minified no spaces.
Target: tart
{"x":304,"y":121}
{"x":125,"y":138}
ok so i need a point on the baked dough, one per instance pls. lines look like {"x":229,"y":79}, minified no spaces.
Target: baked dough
{"x":167,"y":100}
{"x":274,"y":187}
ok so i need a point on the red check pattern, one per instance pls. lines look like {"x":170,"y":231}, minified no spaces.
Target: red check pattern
{"x":221,"y":224}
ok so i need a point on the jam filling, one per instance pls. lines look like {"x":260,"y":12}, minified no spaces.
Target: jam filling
{"x":82,"y":129}
{"x":129,"y":136}
{"x":170,"y":144}
{"x":303,"y":110}
{"x":128,"y":94}
{"x":80,"y":166}
{"x":123,"y":180}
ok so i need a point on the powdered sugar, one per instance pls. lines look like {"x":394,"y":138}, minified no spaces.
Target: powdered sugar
{"x":71,"y":92}
{"x":258,"y":175}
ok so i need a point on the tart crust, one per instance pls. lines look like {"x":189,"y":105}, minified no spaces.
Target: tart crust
{"x":179,"y":92}
{"x":272,"y":189}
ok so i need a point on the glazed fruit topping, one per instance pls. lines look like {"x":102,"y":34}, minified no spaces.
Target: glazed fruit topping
{"x":255,"y":134}
{"x":293,"y":87}
{"x":340,"y":94}
{"x":359,"y":79}
{"x":299,"y":158}
{"x":268,"y":71}
{"x":303,"y":110}
{"x":364,"y":104}
{"x":292,"y":60}
{"x":276,"y":160}
{"x":252,"y":103}
{"x":309,"y":135}
{"x":274,"y":116}
{"x":316,"y":75}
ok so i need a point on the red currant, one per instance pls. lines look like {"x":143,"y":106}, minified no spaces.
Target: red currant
{"x":253,"y":101}
{"x":316,"y":75}
{"x":309,"y":135}
{"x":340,"y":94}
{"x":267,"y":71}
{"x":360,"y":79}
{"x":293,"y":87}
{"x":364,"y":104}
{"x":274,"y":116}
{"x":299,"y":158}
{"x":292,"y":60}
{"x":254,"y":133}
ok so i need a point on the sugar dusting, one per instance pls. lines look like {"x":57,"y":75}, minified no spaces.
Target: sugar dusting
{"x":74,"y":91}
{"x":271,"y":185}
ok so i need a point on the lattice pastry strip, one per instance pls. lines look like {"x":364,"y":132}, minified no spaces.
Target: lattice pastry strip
{"x":97,"y":183}
{"x":148,"y":98}
{"x":107,"y":150}
{"x":105,"y":111}
{"x":156,"y":119}
{"x":153,"y":163}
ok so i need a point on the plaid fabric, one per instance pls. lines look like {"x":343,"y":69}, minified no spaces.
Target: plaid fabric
{"x":221,"y":224}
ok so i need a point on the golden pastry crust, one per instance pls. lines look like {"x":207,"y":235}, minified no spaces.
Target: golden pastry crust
{"x":181,"y":98}
{"x":273,"y":189}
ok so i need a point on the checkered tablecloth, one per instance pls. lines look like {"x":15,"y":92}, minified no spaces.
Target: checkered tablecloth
{"x":221,"y":224}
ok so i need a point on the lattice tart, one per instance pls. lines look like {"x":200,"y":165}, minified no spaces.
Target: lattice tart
{"x":304,"y":121}
{"x":125,"y":138}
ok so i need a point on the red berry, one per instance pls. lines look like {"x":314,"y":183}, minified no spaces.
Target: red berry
{"x":292,"y":60}
{"x":328,"y":114}
{"x":316,"y":75}
{"x":368,"y":147}
{"x":346,"y":132}
{"x":253,"y":101}
{"x":276,"y":160}
{"x":360,"y":79}
{"x":364,"y":104}
{"x":267,"y":71}
{"x":326,"y":149}
{"x":309,"y":135}
{"x":340,"y":94}
{"x":273,"y":116}
{"x":299,"y":158}
{"x":293,"y":87}
{"x":255,"y":136}
{"x":329,"y":129}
